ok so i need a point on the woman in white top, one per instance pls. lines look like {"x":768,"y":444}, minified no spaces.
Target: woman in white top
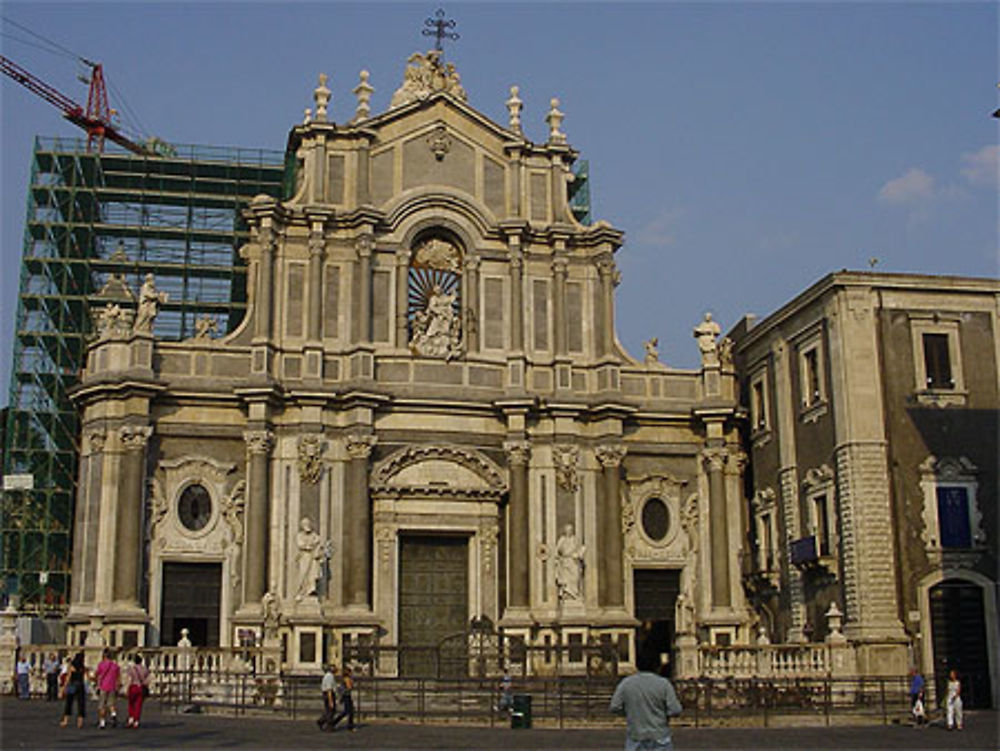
{"x":954,"y":701}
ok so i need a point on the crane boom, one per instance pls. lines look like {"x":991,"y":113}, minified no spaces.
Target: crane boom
{"x":96,"y":119}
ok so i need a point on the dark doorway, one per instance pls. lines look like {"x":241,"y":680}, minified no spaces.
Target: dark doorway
{"x":433,"y":604}
{"x":191,"y":599}
{"x":656,"y":591}
{"x":958,"y":627}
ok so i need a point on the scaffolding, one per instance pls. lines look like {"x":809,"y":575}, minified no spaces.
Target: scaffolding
{"x":91,"y":217}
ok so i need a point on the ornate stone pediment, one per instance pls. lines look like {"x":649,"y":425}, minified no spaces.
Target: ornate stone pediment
{"x":438,"y":470}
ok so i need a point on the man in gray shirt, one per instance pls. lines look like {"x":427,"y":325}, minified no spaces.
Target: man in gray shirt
{"x":648,"y":701}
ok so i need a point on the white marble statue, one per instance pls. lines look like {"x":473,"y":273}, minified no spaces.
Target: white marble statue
{"x":706,"y":333}
{"x":569,"y":564}
{"x":309,"y":558}
{"x":150,"y":300}
{"x":436,"y":330}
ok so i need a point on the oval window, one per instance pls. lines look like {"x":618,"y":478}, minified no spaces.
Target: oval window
{"x":655,"y":519}
{"x":195,"y":507}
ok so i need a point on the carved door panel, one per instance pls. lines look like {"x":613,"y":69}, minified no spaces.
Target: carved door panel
{"x":433,"y":602}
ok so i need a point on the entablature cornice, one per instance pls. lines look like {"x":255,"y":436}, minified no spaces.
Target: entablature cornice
{"x":91,"y":391}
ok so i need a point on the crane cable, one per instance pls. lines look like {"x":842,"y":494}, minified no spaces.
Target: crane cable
{"x":57,"y":49}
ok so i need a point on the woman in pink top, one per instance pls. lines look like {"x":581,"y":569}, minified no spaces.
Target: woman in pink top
{"x":138,"y":686}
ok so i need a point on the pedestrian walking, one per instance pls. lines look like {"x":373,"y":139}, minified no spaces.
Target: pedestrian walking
{"x":346,"y":700}
{"x":51,"y":669}
{"x":954,"y":701}
{"x":648,"y":701}
{"x":75,"y":690}
{"x":108,"y":677}
{"x":23,"y":672}
{"x":137,"y":675}
{"x":918,"y":707}
{"x":328,"y":689}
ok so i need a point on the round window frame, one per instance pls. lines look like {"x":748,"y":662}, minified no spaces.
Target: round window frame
{"x":665,"y":538}
{"x":213,"y":511}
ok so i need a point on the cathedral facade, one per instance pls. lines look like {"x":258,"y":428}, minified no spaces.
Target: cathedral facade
{"x":424,"y":422}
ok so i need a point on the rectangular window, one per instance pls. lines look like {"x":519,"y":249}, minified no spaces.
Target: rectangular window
{"x":822,"y":524}
{"x":810,"y":379}
{"x":758,"y":411}
{"x":766,"y":542}
{"x":937,"y":362}
{"x":953,"y":517}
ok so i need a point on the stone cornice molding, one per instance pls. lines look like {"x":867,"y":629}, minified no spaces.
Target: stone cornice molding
{"x":258,"y":441}
{"x":610,"y":455}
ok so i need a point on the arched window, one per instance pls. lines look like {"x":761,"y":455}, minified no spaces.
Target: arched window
{"x":434,"y":312}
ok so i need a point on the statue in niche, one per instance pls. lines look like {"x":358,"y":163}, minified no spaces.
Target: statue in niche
{"x":150,"y":300}
{"x":436,"y":329}
{"x":706,"y":333}
{"x":310,"y":557}
{"x":569,"y":564}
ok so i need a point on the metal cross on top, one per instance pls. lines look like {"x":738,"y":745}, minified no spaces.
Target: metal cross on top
{"x":437,"y":25}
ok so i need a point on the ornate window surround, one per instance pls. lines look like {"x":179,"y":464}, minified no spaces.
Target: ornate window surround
{"x":950,"y":472}
{"x":765,"y":511}
{"x":760,"y":403}
{"x":937,"y":323}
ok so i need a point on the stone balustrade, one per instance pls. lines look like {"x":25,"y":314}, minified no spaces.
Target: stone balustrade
{"x":765,"y":661}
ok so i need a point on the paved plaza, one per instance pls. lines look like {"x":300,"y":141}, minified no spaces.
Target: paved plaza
{"x":35,"y":724}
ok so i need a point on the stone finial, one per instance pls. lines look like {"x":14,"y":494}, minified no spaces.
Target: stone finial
{"x":514,"y":105}
{"x":363,"y":91}
{"x":322,"y":96}
{"x":554,"y":119}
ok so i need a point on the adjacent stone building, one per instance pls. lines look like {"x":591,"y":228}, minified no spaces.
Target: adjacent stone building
{"x":425,"y":425}
{"x":873,"y":424}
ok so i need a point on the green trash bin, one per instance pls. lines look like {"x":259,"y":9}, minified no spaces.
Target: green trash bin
{"x":520,"y":711}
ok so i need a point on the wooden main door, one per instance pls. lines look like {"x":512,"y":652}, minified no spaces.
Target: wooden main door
{"x":958,"y":625}
{"x":656,"y":593}
{"x":433,"y":603}
{"x":191,"y":599}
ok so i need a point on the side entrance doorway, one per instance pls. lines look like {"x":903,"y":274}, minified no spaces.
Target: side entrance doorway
{"x":655,"y":592}
{"x":958,"y":627}
{"x":433,"y":605}
{"x":192,"y":594}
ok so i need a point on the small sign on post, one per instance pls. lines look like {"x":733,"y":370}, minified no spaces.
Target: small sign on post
{"x":19,"y":482}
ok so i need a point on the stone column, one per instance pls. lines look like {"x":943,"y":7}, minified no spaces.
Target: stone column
{"x":265,"y":274}
{"x":516,"y":296}
{"x":718,"y":532}
{"x":402,"y":298}
{"x":471,"y":304}
{"x":610,"y":590}
{"x":789,"y":502}
{"x":560,"y":267}
{"x":257,"y":548}
{"x":518,"y":453}
{"x":364,"y":246}
{"x":129,"y":513}
{"x":357,"y":521}
{"x":606,"y":269}
{"x":317,"y":249}
{"x":86,"y":514}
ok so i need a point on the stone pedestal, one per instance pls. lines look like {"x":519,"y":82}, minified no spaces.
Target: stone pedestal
{"x":686,"y":652}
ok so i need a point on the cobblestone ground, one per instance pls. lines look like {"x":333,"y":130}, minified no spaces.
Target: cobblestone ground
{"x":35,"y":724}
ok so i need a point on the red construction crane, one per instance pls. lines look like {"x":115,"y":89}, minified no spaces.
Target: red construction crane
{"x":95,"y":119}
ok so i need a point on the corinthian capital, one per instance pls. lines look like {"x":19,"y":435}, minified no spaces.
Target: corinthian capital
{"x":518,"y":452}
{"x":134,"y":437}
{"x":258,"y":441}
{"x":610,"y":454}
{"x":317,"y":243}
{"x":360,"y":445}
{"x":94,"y":443}
{"x":715,"y":459}
{"x":364,"y":245}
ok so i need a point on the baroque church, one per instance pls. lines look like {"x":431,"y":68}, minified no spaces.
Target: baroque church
{"x":424,"y":425}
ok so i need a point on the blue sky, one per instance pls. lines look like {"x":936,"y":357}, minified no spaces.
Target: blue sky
{"x":747,"y":149}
